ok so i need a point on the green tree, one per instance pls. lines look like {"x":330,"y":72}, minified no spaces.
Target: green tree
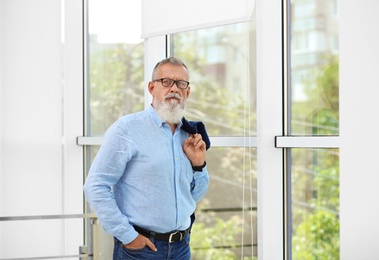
{"x":317,"y":237}
{"x":206,"y":240}
{"x":116,"y":85}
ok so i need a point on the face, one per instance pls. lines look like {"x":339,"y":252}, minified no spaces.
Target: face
{"x":169,"y":71}
{"x":169,"y":101}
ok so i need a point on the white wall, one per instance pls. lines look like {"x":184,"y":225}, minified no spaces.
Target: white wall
{"x":359,"y":128}
{"x":41,"y":115}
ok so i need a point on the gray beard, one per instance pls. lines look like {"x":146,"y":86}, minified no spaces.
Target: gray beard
{"x":171,"y":111}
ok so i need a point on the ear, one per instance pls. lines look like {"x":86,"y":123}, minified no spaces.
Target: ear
{"x":151,"y":87}
{"x":188,"y":91}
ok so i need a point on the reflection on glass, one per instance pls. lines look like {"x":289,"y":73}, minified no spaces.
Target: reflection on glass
{"x":221,"y":61}
{"x":314,"y":68}
{"x":315,"y":204}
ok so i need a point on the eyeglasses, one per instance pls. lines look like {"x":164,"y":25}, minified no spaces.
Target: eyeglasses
{"x":168,"y":83}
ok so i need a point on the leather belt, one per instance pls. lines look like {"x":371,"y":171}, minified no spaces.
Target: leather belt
{"x":168,"y":237}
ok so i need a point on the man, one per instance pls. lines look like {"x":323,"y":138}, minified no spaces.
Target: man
{"x":149,"y":173}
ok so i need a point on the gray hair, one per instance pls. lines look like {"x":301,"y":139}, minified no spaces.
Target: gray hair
{"x":171,"y":60}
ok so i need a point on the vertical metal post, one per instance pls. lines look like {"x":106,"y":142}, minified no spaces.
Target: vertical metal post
{"x":287,"y":190}
{"x":95,"y":239}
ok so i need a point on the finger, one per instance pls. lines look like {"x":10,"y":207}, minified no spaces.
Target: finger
{"x":200,"y":144}
{"x":188,"y":142}
{"x":197,"y":138}
{"x":151,"y":245}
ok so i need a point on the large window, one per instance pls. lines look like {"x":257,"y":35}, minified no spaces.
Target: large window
{"x":222,"y":63}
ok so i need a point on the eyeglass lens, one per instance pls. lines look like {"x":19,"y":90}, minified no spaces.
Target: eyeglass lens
{"x":170,"y":82}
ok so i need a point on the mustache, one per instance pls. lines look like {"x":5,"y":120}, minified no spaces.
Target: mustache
{"x":173,"y":95}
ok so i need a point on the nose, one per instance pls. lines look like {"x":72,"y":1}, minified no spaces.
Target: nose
{"x":174,"y":88}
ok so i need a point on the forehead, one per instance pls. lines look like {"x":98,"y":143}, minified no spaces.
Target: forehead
{"x":172,"y":72}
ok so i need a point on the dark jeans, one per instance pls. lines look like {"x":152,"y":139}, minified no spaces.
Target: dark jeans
{"x":171,"y":251}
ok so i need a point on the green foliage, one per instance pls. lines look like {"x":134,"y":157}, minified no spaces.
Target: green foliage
{"x":207,"y":241}
{"x":116,"y":83}
{"x":318,"y":112}
{"x":315,"y":172}
{"x":317,"y":237}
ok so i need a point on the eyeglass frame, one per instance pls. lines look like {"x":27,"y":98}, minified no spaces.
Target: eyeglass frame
{"x":173,"y":82}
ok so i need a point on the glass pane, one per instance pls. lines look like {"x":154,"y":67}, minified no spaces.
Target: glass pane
{"x":221,"y":62}
{"x":115,"y":80}
{"x":222,"y":74}
{"x":314,"y":67}
{"x":315,"y":204}
{"x":227,"y":215}
{"x":314,"y":111}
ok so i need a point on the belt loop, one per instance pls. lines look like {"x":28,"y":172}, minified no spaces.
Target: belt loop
{"x":152,"y":236}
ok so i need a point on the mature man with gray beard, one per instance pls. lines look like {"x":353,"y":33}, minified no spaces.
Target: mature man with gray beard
{"x":149,"y":173}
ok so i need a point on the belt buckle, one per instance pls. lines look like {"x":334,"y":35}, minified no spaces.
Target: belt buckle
{"x":173,"y":234}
